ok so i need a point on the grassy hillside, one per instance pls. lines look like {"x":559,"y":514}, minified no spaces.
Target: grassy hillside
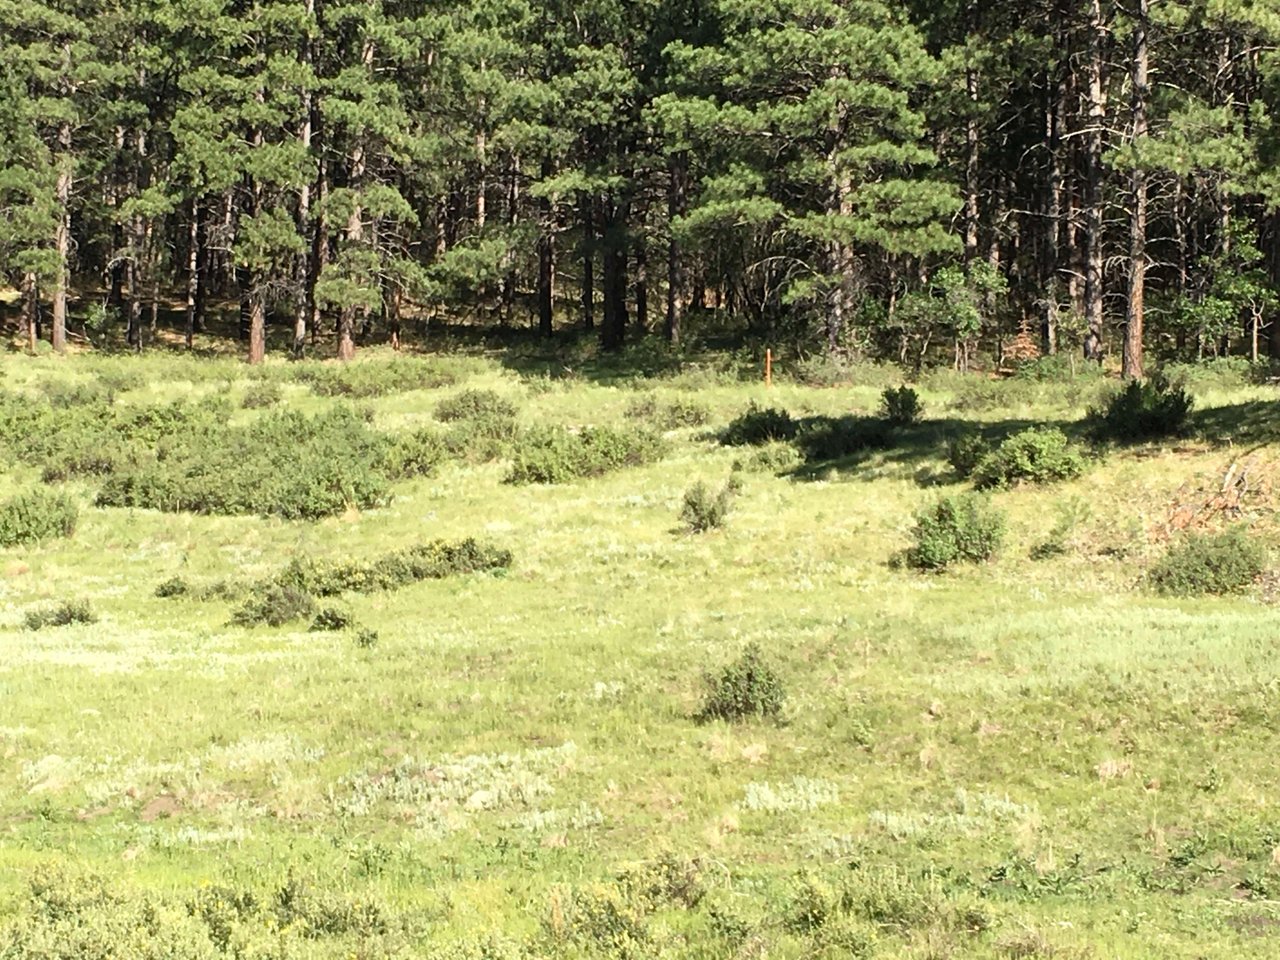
{"x":1026,"y":758}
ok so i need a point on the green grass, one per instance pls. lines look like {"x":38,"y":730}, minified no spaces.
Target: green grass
{"x":1083,"y":764}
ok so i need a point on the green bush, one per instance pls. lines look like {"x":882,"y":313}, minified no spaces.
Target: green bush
{"x":35,"y":516}
{"x":901,"y":407}
{"x":173,"y":587}
{"x":705,"y":510}
{"x":331,"y":619}
{"x":372,"y":379}
{"x":274,"y":605}
{"x":670,"y":415}
{"x":483,"y":439}
{"x":415,"y":454}
{"x":770,"y":458}
{"x":260,"y":394}
{"x":1209,"y":563}
{"x":558,"y":455}
{"x":832,"y":438}
{"x":965,"y":451}
{"x":476,"y":405}
{"x":284,"y":464}
{"x":1147,"y":410}
{"x":965,"y":528}
{"x":748,"y":687}
{"x":757,"y":425}
{"x":366,"y":639}
{"x":1037,"y":455}
{"x":429,"y":561}
{"x":60,"y":615}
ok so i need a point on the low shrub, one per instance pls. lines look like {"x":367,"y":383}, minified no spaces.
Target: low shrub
{"x":965,"y":451}
{"x":365,"y":638}
{"x":483,"y":439}
{"x":770,"y":458}
{"x":274,"y":605}
{"x":1037,"y":455}
{"x":373,"y":379}
{"x":331,"y":619}
{"x":558,"y":455}
{"x":832,"y":438}
{"x":1209,"y":563}
{"x":748,"y":687}
{"x":284,"y":464}
{"x":705,"y":510}
{"x":1072,"y":513}
{"x":429,"y":561}
{"x":35,"y":516}
{"x":1146,"y":410}
{"x":757,"y":425}
{"x":173,"y":587}
{"x":476,"y":405}
{"x":260,"y":394}
{"x":668,"y":415}
{"x":60,"y":615}
{"x":901,"y":407}
{"x":965,"y":528}
{"x":415,"y":454}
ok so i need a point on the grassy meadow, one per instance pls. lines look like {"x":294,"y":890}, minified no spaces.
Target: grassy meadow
{"x":1024,"y":758}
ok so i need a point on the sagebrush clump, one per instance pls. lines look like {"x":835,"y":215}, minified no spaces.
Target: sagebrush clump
{"x":965,"y":451}
{"x":704,"y":509}
{"x":331,"y":619}
{"x":901,"y":407}
{"x":1037,"y":455}
{"x":748,"y":687}
{"x":476,"y":405}
{"x":1144,"y":410}
{"x":668,"y":415}
{"x":559,"y":455}
{"x":35,"y":516}
{"x":965,"y":528}
{"x":428,"y":561}
{"x":1209,"y":564}
{"x":60,"y":615}
{"x":758,"y":425}
{"x":274,"y":605}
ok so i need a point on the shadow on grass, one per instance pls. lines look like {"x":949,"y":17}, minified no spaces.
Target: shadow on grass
{"x":1249,"y":423}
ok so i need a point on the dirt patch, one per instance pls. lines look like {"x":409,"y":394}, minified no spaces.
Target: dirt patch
{"x":161,"y":807}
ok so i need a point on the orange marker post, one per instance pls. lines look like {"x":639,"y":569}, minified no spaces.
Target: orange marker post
{"x":768,"y":368}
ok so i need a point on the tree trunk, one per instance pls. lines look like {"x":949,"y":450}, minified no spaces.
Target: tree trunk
{"x":354,"y":235}
{"x":30,"y":309}
{"x":675,"y":270}
{"x":613,"y":331}
{"x":972,"y":159}
{"x":588,"y":263}
{"x":547,"y":265}
{"x":257,"y":321}
{"x":1093,"y":279}
{"x":641,"y":281}
{"x":302,"y":268}
{"x":193,"y":269}
{"x":1056,"y":187}
{"x":62,"y":240}
{"x":319,"y":250}
{"x":1138,"y":215}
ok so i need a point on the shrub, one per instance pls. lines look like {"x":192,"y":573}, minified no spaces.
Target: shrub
{"x":260,"y":394}
{"x":1037,"y":455}
{"x":1209,"y":563}
{"x":173,"y":587}
{"x":60,"y":615}
{"x":831,"y":438}
{"x":672,"y":415}
{"x":900,"y":407}
{"x":370,"y":379}
{"x":703,"y":510}
{"x":484,"y":438}
{"x":284,"y":464}
{"x":965,"y":451}
{"x":274,"y":605}
{"x":748,"y":687}
{"x":966,"y":528}
{"x":429,"y":561}
{"x":757,"y":425}
{"x":35,"y":516}
{"x":1071,"y":514}
{"x":770,"y":457}
{"x":475,"y":405}
{"x":1146,"y":410}
{"x":366,"y":638}
{"x":557,"y":455}
{"x":331,"y":619}
{"x":415,"y":454}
